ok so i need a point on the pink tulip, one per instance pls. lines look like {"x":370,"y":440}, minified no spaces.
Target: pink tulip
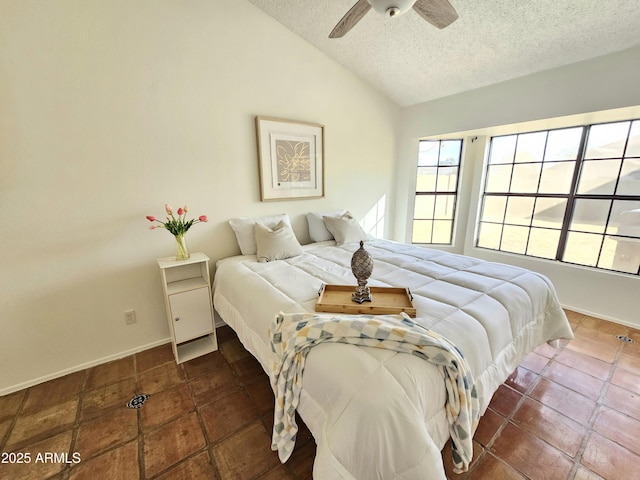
{"x":153,"y":227}
{"x":180,"y":211}
{"x":168,"y":208}
{"x":151,"y":218}
{"x":202,"y":218}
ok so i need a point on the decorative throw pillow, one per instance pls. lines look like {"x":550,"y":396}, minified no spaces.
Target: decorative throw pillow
{"x":277,"y":243}
{"x":317,"y":230}
{"x":345,"y":228}
{"x":243,"y":228}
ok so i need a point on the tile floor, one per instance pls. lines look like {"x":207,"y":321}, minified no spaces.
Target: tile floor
{"x":567,"y":413}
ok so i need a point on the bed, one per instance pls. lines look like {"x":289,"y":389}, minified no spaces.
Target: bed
{"x":375,"y":413}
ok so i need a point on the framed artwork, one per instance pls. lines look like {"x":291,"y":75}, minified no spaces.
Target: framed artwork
{"x":291,"y":159}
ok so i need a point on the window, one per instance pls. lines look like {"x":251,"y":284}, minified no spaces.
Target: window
{"x":436,"y":191}
{"x":570,"y":194}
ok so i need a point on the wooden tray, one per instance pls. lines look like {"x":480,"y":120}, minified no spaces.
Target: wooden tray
{"x":386,"y":300}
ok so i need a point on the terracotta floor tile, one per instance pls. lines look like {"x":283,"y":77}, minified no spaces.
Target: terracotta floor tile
{"x":522,"y":379}
{"x":526,"y":452}
{"x":4,"y":428}
{"x":604,"y":327}
{"x":37,"y":468}
{"x":447,"y":460}
{"x":233,"y":350}
{"x":606,"y":336}
{"x":551,"y":426}
{"x":198,"y":467}
{"x":586,"y":474}
{"x":629,"y":363}
{"x":619,"y":428}
{"x":577,"y":381}
{"x":114,"y":427}
{"x":267,"y":421}
{"x":504,"y":401}
{"x":564,"y":400}
{"x":301,"y":460}
{"x":165,"y":406}
{"x":154,"y":357}
{"x":546,"y":350}
{"x":39,"y":425}
{"x":246,"y":454}
{"x":489,"y":424}
{"x":626,"y":380}
{"x":171,"y":443}
{"x":213,"y":386}
{"x":261,"y":395}
{"x":160,"y":378}
{"x":101,"y":399}
{"x":204,"y":364}
{"x":606,"y":353}
{"x":490,"y":468}
{"x":608,"y":459}
{"x":9,"y":404}
{"x":281,"y":472}
{"x":585,"y":363}
{"x":109,"y":373}
{"x":247,"y":369}
{"x":227,"y":415}
{"x":623,"y":400}
{"x":632,"y":349}
{"x":574,"y":317}
{"x":54,"y":391}
{"x":224,"y":334}
{"x":118,"y":464}
{"x":534,"y":362}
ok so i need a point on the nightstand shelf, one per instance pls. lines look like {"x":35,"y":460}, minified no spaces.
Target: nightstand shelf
{"x":187,"y":293}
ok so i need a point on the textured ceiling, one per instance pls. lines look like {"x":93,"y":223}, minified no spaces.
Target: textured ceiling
{"x":411,"y":61}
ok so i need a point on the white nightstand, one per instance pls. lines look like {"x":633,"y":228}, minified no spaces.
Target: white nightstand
{"x":187,"y":296}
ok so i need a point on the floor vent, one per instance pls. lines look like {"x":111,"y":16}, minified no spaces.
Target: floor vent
{"x":138,"y":400}
{"x":624,"y":339}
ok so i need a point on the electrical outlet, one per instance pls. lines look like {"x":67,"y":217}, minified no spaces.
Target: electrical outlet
{"x":130,"y":317}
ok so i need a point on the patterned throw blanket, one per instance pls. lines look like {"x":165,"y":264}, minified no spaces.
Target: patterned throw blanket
{"x":293,"y":335}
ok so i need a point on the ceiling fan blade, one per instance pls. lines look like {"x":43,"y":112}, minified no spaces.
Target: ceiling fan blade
{"x":353,"y":16}
{"x":438,"y":13}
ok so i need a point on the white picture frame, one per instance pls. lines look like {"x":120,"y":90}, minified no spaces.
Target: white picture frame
{"x":290,"y":159}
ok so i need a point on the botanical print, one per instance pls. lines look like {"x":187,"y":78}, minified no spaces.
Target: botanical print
{"x":293,"y":161}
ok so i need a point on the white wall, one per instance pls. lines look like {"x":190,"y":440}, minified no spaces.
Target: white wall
{"x":109,"y":109}
{"x":584,"y":92}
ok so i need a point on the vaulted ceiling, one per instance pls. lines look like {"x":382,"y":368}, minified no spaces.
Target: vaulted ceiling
{"x":411,"y":61}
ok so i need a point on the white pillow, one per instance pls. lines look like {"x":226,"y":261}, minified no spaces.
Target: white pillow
{"x":345,"y":229}
{"x":317,"y":230}
{"x":243,"y":228}
{"x":277,"y":243}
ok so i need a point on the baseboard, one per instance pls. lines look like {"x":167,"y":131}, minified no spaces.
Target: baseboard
{"x":77,"y":368}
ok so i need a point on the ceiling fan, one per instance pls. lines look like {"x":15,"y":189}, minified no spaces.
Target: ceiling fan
{"x":438,"y":13}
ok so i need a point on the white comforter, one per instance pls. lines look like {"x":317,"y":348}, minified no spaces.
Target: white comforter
{"x":378,"y":414}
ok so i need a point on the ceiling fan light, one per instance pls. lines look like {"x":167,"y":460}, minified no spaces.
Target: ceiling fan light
{"x":391,"y":8}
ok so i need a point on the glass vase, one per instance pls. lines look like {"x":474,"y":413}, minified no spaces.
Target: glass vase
{"x":183,"y":252}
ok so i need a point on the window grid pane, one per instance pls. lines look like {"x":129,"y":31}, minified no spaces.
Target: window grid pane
{"x":436,"y":191}
{"x":529,"y":207}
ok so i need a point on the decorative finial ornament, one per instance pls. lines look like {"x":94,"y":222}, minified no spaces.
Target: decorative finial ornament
{"x":361,"y":266}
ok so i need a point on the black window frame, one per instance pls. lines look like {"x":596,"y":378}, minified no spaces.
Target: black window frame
{"x":572,"y":197}
{"x":436,"y":193}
